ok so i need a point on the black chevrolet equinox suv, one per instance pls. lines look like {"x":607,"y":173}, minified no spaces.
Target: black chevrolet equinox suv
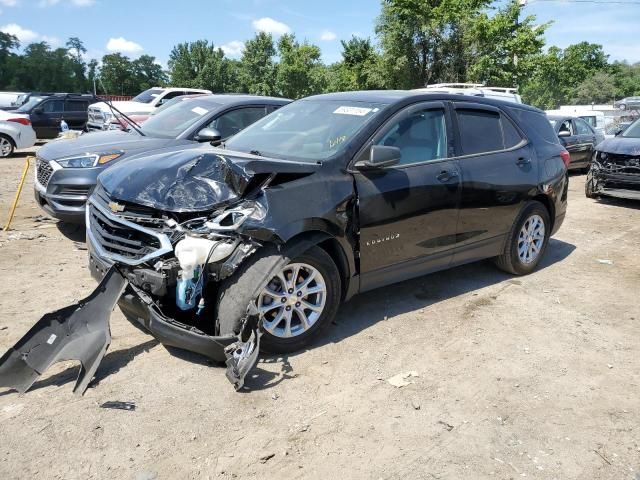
{"x":329,"y":196}
{"x":254,"y":245}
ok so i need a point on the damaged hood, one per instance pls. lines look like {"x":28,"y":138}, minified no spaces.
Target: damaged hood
{"x":193,"y":179}
{"x":103,"y":142}
{"x":620,"y":146}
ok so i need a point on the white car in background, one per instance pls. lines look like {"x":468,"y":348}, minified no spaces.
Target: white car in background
{"x":101,"y":116}
{"x":473,"y":89}
{"x":15,"y":132}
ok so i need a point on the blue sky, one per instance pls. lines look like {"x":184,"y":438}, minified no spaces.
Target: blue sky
{"x":135,"y":26}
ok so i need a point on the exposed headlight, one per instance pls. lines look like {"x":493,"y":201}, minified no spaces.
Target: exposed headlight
{"x":87,"y":161}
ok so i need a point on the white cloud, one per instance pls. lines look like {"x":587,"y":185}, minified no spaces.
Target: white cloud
{"x":328,"y":36}
{"x":23,"y":34}
{"x":8,"y":3}
{"x":269,"y":25}
{"x":123,"y":45}
{"x":233,"y":48}
{"x":52,"y":41}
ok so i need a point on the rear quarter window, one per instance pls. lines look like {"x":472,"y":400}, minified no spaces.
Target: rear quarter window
{"x":535,"y":125}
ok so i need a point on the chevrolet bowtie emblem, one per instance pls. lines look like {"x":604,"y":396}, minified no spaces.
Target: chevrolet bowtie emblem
{"x":116,"y":207}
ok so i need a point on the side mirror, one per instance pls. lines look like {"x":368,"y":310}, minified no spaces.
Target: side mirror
{"x":618,"y":131}
{"x":564,"y":133}
{"x":380,"y":156}
{"x":38,"y":110}
{"x":210,"y":135}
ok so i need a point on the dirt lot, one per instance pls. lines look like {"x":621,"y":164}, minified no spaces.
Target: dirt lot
{"x":534,"y":377}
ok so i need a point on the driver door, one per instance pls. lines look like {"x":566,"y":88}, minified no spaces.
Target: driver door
{"x":408,"y":213}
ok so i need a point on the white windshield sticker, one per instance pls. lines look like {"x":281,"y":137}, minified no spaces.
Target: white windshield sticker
{"x":358,"y":111}
{"x":199,"y":110}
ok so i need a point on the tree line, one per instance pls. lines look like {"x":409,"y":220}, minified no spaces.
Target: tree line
{"x":417,"y":42}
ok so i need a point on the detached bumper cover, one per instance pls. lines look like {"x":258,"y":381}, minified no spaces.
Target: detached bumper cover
{"x":81,"y":332}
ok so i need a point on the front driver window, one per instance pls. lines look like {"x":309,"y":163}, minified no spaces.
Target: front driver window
{"x":232,"y":122}
{"x":582,"y":127}
{"x":422,"y":136}
{"x":566,"y":127}
{"x":53,"y":106}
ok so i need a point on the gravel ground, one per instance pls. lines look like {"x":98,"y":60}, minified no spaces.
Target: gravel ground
{"x":506,"y":377}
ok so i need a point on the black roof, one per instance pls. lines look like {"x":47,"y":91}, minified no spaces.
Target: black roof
{"x":557,"y":117}
{"x":396,"y":96}
{"x":240,"y":99}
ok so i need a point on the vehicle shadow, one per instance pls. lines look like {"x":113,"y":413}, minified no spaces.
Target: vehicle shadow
{"x":111,"y":363}
{"x":369,"y":308}
{"x":619,"y":202}
{"x":73,"y":231}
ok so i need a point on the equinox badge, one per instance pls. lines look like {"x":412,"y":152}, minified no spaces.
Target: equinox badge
{"x":393,"y":236}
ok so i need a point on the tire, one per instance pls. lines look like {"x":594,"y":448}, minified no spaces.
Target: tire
{"x":588,"y":187}
{"x":236,"y":292}
{"x":6,"y":146}
{"x":510,"y":261}
{"x":623,"y":106}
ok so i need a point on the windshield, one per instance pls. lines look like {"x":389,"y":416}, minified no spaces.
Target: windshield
{"x":632,"y":131}
{"x":173,"y":121}
{"x":307,"y":129}
{"x":33,"y":101}
{"x":147,"y":96}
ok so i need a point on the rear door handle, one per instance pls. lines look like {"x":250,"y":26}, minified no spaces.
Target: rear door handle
{"x":523,"y":161}
{"x":446,"y":175}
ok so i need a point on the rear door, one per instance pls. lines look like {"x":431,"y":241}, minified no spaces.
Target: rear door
{"x":570,"y":141}
{"x":498,"y":172}
{"x":75,"y":113}
{"x":46,"y":123}
{"x":586,"y":139}
{"x":408,"y":212}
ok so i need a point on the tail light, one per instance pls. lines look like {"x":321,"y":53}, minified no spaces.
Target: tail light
{"x":566,"y":158}
{"x":21,"y":121}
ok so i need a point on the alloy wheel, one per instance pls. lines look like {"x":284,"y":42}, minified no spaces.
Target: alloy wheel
{"x":293,"y":300}
{"x":531,"y":239}
{"x":5,"y":147}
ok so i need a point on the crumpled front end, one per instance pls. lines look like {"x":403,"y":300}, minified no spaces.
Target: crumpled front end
{"x":616,"y":174}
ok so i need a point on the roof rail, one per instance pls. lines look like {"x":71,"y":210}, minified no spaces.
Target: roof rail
{"x":502,"y":89}
{"x":455,"y":85}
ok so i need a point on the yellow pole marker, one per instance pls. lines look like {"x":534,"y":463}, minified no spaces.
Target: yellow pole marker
{"x":20,"y":185}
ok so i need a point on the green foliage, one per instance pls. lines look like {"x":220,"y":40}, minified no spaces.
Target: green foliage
{"x":300,"y":72}
{"x":598,"y":88}
{"x":257,"y":66}
{"x":201,"y":65}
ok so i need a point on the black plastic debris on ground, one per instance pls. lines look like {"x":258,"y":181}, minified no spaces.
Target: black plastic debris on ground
{"x":117,"y":405}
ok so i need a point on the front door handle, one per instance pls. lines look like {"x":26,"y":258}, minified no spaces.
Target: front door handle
{"x":446,"y":175}
{"x":522,"y":161}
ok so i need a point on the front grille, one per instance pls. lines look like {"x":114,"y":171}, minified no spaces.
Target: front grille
{"x":43,"y":172}
{"x":122,"y":240}
{"x":75,"y":190}
{"x":95,"y":115}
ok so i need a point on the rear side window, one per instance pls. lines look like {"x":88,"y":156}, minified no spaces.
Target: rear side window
{"x":479,"y":131}
{"x":485,"y":131}
{"x":76,"y":106}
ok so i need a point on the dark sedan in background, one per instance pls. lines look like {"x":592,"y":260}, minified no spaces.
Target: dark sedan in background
{"x":578,"y":137}
{"x":66,"y":170}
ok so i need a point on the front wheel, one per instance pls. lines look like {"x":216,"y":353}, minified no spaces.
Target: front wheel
{"x":589,"y":187}
{"x":527,"y":240}
{"x":295,"y":305}
{"x":6,"y":146}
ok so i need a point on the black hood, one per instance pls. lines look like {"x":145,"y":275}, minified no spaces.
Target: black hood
{"x":620,"y":146}
{"x":192,"y":180}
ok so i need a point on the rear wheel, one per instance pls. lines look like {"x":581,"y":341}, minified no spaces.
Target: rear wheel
{"x":527,"y":240}
{"x":6,"y":146}
{"x":295,"y":304}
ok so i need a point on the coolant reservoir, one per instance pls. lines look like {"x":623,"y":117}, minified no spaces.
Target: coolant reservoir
{"x":193,"y":251}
